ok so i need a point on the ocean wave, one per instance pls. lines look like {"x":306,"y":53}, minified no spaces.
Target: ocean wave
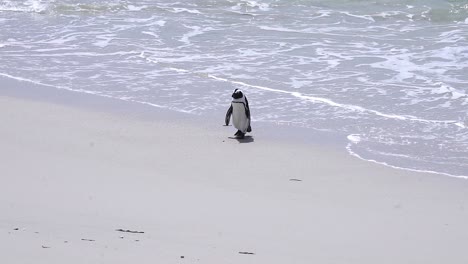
{"x":355,"y":139}
{"x":316,"y":99}
{"x":95,"y":93}
{"x":354,"y":108}
{"x":29,"y":6}
{"x":250,"y":5}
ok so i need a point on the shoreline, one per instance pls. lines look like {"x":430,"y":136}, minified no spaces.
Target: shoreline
{"x":26,"y":89}
{"x":74,"y":176}
{"x":93,"y":102}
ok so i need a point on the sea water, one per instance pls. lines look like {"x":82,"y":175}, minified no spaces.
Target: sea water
{"x":389,"y":76}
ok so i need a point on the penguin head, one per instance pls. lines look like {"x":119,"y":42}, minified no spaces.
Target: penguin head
{"x":237,"y":94}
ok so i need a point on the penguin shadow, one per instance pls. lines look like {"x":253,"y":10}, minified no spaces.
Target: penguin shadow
{"x":246,"y":139}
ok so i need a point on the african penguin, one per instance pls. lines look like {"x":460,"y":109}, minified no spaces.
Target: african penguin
{"x":240,"y":112}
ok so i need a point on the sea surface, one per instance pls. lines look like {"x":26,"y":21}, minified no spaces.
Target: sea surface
{"x":389,"y":76}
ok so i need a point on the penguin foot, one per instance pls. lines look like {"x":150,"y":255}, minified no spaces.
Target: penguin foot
{"x":238,"y":133}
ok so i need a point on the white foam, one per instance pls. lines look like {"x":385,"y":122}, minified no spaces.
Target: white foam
{"x":136,"y":8}
{"x":196,"y":30}
{"x":309,"y":30}
{"x":150,"y":33}
{"x":352,"y":153}
{"x":160,"y":23}
{"x":180,"y":10}
{"x":299,"y":83}
{"x":243,"y":4}
{"x":282,"y":29}
{"x":365,"y":17}
{"x":104,"y":40}
{"x":34,"y":6}
{"x":37,"y":5}
{"x":446,"y":89}
{"x":18,"y":78}
{"x":151,"y":19}
{"x":84,"y":54}
{"x":261,"y":6}
{"x":354,"y":138}
{"x":179,"y":70}
{"x":63,"y":39}
{"x":452,"y":36}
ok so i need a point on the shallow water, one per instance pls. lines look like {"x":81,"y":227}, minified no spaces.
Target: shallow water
{"x":391,"y":76}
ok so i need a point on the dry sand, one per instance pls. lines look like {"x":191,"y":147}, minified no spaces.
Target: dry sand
{"x":71,"y":177}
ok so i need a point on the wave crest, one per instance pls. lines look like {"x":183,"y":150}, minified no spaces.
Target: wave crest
{"x":30,"y":6}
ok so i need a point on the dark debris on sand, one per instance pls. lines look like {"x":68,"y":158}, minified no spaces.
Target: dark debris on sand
{"x":129,"y":231}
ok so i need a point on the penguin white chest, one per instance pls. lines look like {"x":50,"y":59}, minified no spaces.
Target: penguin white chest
{"x":239,"y":117}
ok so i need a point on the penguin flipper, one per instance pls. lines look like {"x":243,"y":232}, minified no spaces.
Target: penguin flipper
{"x":247,"y":113}
{"x":227,"y":119}
{"x":247,"y":109}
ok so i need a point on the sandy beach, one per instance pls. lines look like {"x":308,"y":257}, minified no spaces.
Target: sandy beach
{"x":89,"y":186}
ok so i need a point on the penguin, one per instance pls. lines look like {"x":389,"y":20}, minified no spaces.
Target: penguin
{"x":240,"y":112}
